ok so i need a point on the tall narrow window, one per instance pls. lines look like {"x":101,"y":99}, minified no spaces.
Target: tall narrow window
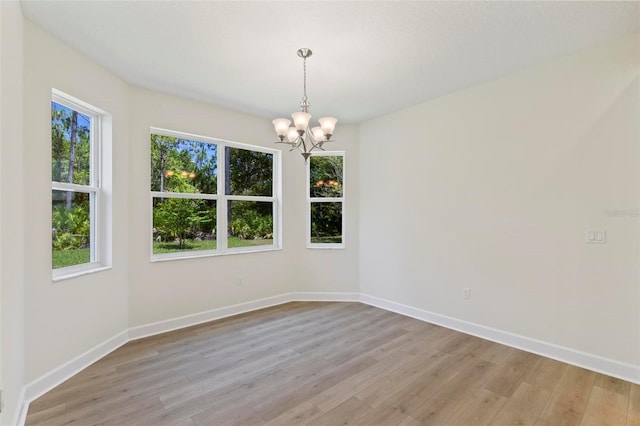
{"x":325,"y":200}
{"x":76,"y":192}
{"x":249,"y":189}
{"x":211,"y":196}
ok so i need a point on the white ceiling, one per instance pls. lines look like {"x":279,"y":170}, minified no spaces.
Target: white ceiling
{"x":369,"y":58}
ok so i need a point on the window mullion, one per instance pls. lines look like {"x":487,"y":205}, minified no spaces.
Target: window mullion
{"x":157,"y":194}
{"x":250,"y":198}
{"x":326,"y":200}
{"x":222,"y":226}
{"x":93,"y":226}
{"x":73,"y":187}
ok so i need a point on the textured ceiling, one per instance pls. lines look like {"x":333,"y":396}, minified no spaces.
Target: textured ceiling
{"x":369,"y":58}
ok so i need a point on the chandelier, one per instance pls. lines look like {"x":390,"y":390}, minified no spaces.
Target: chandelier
{"x":300,"y":135}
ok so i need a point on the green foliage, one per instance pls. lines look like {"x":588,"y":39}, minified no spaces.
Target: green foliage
{"x":182,"y":218}
{"x":63,"y":120}
{"x":325,"y":176}
{"x":248,"y":172}
{"x":249,"y":220}
{"x":325,"y":181}
{"x":62,"y":258}
{"x":173,"y":159}
{"x":71,"y":227}
{"x":327,"y":240}
{"x":326,"y":220}
{"x":196,"y":245}
{"x":70,"y":234}
{"x":187,"y":245}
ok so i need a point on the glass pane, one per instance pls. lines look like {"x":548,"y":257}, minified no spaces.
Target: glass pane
{"x":248,"y":172}
{"x":183,"y":225}
{"x":181,"y":165}
{"x":325,"y":176}
{"x":250,"y":223}
{"x":326,"y":223}
{"x":70,"y":228}
{"x":70,"y":145}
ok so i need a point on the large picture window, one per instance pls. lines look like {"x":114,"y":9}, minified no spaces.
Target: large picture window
{"x":76,"y":188}
{"x":325,"y":200}
{"x":211,"y":196}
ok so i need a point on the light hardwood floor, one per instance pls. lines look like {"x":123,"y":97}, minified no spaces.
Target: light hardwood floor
{"x":332,"y":364}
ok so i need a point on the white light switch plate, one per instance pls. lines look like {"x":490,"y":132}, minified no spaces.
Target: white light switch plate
{"x":596,"y":236}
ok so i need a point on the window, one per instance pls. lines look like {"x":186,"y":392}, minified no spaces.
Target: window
{"x":78,"y":241}
{"x":211,"y":196}
{"x":325,"y":202}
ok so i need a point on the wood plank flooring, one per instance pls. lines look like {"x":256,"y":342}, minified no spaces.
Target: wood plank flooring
{"x":332,"y":364}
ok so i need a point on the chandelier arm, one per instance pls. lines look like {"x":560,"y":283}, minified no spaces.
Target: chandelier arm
{"x":303,"y":144}
{"x":314,"y":143}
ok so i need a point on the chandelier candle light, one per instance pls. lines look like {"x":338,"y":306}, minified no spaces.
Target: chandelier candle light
{"x":300,"y":135}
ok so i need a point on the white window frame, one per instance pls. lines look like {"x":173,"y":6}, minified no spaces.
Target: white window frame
{"x":221,"y":199}
{"x":341,"y":200}
{"x":99,"y":240}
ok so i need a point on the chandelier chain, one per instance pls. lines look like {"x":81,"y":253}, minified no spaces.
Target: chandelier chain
{"x":305,"y":104}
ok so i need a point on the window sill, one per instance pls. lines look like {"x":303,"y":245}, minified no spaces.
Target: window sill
{"x":326,"y":246}
{"x":66,"y":275}
{"x":203,"y":254}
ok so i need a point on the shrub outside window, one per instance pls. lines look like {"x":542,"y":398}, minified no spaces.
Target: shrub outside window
{"x":211,"y":196}
{"x":76,"y":191}
{"x":325,"y":200}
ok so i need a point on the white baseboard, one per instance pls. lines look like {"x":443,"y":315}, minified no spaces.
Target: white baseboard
{"x":58,"y":375}
{"x":23,"y":406}
{"x":55,"y":377}
{"x":628,"y":372}
{"x":325,"y":297}
{"x":202,"y":317}
{"x":215,"y":314}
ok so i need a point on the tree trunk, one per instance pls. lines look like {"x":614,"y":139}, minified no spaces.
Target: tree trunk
{"x":162,"y":155}
{"x":72,"y":153}
{"x":227,"y":184}
{"x":58,"y":167}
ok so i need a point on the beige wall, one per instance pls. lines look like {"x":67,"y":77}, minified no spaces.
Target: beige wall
{"x":492,"y":188}
{"x":63,"y":319}
{"x":11,"y":210}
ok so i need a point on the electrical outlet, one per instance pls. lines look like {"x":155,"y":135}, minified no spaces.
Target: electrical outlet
{"x":467,"y":293}
{"x":596,"y":236}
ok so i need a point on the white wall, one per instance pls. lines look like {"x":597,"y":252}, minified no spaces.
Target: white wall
{"x":63,"y":319}
{"x":493,"y":187}
{"x":165,"y":290}
{"x":11,"y":210}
